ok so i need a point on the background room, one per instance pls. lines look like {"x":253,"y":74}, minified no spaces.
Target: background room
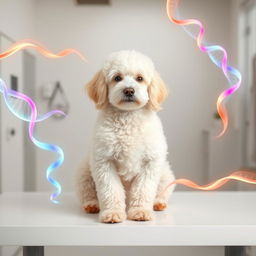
{"x":189,"y":115}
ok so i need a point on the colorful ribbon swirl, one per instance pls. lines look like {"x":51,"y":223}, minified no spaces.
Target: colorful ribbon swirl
{"x":32,"y":117}
{"x":243,"y":176}
{"x":28,"y":43}
{"x":234,"y":79}
{"x":232,"y":75}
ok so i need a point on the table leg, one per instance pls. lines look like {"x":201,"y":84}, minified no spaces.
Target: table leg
{"x":33,"y":251}
{"x":236,"y":251}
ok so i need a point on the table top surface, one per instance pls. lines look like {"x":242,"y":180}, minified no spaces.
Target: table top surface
{"x":192,"y":218}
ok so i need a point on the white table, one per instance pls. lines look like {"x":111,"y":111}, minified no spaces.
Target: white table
{"x":192,"y":219}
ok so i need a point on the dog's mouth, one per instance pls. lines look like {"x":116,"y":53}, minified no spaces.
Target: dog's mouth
{"x":129,"y":100}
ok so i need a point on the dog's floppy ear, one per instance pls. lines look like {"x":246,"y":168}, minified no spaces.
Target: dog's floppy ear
{"x":157,"y":92}
{"x":97,"y":90}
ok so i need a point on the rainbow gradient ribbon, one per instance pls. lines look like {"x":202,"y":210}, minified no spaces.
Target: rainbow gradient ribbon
{"x":232,"y":75}
{"x":245,"y":176}
{"x":7,"y":93}
{"x":29,"y":43}
{"x":33,"y":118}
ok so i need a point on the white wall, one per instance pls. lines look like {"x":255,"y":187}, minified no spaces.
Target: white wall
{"x":17,"y":18}
{"x":142,"y":25}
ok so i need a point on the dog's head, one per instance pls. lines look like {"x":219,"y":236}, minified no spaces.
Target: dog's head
{"x":128,"y":81}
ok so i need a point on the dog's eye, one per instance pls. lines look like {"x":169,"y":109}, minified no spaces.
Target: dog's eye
{"x":117,"y":78}
{"x":139,"y":78}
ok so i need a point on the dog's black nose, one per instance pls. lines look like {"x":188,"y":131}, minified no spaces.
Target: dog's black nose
{"x":129,"y":92}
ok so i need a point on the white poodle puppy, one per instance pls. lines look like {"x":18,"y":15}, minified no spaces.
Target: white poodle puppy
{"x":127,"y":164}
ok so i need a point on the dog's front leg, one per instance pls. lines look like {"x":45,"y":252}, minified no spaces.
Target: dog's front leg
{"x":143,"y":192}
{"x":110,"y":191}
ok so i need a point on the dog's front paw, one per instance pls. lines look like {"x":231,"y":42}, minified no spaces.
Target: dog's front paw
{"x":140,"y":214}
{"x":91,"y":207}
{"x":160,"y":206}
{"x":112,"y":216}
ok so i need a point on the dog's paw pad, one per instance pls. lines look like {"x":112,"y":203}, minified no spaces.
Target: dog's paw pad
{"x":140,"y":214}
{"x":113,"y":216}
{"x":91,"y":208}
{"x":160,"y":206}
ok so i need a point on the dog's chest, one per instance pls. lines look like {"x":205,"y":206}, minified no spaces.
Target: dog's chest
{"x":128,"y":146}
{"x":128,"y":141}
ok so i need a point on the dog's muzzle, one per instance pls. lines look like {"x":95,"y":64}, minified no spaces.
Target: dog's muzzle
{"x":128,"y":92}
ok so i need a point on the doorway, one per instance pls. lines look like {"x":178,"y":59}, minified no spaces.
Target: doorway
{"x":249,"y":71}
{"x":17,"y":154}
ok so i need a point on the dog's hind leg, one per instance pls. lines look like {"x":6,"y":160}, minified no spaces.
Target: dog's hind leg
{"x":162,"y":197}
{"x":86,"y":190}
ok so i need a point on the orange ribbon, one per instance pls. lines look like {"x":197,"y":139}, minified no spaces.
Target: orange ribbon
{"x":244,"y":176}
{"x":28,"y":43}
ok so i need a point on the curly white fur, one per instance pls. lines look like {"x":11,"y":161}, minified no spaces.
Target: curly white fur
{"x":127,"y":164}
